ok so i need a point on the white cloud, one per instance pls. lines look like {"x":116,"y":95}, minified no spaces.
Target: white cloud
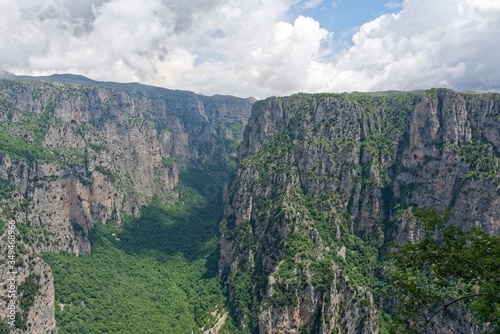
{"x":249,"y":47}
{"x":447,"y":43}
{"x":312,"y":4}
{"x":393,"y":5}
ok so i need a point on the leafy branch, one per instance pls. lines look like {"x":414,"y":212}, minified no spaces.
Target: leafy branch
{"x":448,"y":265}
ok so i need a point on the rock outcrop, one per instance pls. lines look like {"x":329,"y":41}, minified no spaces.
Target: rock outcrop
{"x":325,"y":181}
{"x":72,"y":155}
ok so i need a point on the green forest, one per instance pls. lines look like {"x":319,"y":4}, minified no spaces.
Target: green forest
{"x":153,"y":274}
{"x":158,"y":272}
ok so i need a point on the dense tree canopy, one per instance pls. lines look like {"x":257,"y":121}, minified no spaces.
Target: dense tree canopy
{"x":447,"y":267}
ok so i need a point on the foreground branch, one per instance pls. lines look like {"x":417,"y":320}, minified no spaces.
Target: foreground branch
{"x":453,"y":302}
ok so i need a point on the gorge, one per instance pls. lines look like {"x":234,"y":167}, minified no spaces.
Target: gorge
{"x":145,"y":209}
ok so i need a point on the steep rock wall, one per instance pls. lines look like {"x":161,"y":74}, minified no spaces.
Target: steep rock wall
{"x":73,"y":155}
{"x":317,"y":172}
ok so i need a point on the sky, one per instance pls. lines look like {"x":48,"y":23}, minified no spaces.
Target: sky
{"x":258,"y":48}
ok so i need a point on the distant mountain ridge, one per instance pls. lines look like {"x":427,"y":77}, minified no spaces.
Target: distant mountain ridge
{"x":80,"y":79}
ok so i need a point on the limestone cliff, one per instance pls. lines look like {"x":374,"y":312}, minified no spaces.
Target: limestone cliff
{"x":325,"y":181}
{"x":73,"y":154}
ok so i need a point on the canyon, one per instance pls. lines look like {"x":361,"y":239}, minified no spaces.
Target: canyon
{"x":313,"y":188}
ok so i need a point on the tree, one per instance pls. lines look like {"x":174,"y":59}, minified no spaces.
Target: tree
{"x":4,"y":328}
{"x":449,"y":266}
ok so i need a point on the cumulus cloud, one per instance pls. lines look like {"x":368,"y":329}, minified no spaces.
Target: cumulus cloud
{"x":447,"y":43}
{"x":252,"y":47}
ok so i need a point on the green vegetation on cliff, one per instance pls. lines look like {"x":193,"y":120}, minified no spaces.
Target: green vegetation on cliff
{"x":447,"y":266}
{"x":325,"y":183}
{"x":73,"y":153}
{"x":23,"y":138}
{"x":27,"y":290}
{"x":329,"y":181}
{"x":153,"y":274}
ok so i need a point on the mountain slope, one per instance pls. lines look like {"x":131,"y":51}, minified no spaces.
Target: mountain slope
{"x":73,"y":155}
{"x":324,"y":184}
{"x":326,"y":181}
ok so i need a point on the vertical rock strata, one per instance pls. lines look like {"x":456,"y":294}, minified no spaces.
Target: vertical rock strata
{"x":320,"y":175}
{"x":72,"y":155}
{"x":324,"y":182}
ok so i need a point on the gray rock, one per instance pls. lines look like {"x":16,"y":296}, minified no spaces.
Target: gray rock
{"x":104,"y":152}
{"x":364,"y":161}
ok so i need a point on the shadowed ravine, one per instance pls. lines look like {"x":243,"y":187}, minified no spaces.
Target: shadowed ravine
{"x":154,"y":274}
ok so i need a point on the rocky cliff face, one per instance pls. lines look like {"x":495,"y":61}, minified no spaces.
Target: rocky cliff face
{"x":326,"y":181}
{"x":72,"y":155}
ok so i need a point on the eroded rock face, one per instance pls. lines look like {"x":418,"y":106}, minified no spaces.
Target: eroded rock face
{"x":341,"y":309}
{"x":316,"y":171}
{"x":75,"y":155}
{"x":448,"y":136}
